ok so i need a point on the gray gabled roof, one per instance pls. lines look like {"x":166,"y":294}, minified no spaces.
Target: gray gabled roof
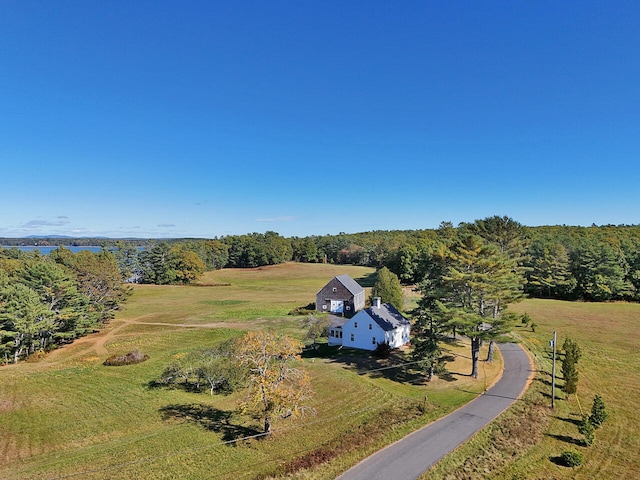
{"x":337,"y":322}
{"x":387,"y":317}
{"x":350,"y":284}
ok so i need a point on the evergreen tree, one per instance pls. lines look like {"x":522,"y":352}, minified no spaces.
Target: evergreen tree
{"x":429,"y":328}
{"x":587,"y":429}
{"x":479,"y":283}
{"x":388,"y":288}
{"x":550,"y":273}
{"x":571,"y":348}
{"x":598,"y":412}
{"x":569,"y":368}
{"x":158,"y":264}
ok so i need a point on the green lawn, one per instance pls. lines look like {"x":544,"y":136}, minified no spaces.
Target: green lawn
{"x":68,"y":416}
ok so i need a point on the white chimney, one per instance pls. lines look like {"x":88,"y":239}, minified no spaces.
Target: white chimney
{"x":376,"y":302}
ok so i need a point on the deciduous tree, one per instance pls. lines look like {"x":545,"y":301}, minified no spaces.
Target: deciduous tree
{"x":276,"y":385}
{"x":317,"y":327}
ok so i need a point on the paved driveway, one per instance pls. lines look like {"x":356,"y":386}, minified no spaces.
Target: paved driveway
{"x":408,"y":458}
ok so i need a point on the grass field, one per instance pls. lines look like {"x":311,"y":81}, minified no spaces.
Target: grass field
{"x":527,"y":441}
{"x":68,"y":416}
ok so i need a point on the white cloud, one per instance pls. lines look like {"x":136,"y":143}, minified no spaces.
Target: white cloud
{"x":46,"y":223}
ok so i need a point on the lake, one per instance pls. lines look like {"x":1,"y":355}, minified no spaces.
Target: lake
{"x":47,"y":250}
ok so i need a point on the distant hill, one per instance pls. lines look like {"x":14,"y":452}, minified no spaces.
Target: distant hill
{"x":48,"y":236}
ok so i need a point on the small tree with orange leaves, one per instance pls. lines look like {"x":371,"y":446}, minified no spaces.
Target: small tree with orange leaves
{"x":276,"y":386}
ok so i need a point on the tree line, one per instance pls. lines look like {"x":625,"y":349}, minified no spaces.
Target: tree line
{"x":563,"y":262}
{"x":597,"y":263}
{"x":46,"y":301}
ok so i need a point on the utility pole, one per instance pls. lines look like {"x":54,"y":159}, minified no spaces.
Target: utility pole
{"x":553,"y":371}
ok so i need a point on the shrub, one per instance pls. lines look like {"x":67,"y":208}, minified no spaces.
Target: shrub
{"x":383,"y":350}
{"x":571,"y":458}
{"x":598,"y":412}
{"x":128,"y":359}
{"x":587,"y":429}
{"x":306,"y":310}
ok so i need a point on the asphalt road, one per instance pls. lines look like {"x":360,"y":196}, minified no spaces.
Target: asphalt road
{"x":408,"y":458}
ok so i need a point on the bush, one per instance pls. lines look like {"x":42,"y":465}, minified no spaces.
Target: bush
{"x":383,"y":350}
{"x":587,"y":429}
{"x":306,"y":310}
{"x":129,"y":359}
{"x":571,"y":458}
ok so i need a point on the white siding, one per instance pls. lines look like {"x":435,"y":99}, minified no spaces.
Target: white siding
{"x":398,"y":337}
{"x":363,"y":336}
{"x":358,"y":301}
{"x":335,"y":336}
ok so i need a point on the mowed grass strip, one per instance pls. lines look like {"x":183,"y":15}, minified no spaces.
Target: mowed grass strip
{"x":68,"y":416}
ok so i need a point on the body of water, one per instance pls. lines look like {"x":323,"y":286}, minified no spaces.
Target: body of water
{"x":47,"y":250}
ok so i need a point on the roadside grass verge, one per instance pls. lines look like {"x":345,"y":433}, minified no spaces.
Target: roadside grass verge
{"x":527,"y":441}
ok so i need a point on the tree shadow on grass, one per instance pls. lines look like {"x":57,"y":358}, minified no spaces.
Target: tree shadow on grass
{"x":186,"y":386}
{"x":210,"y":418}
{"x":566,"y":439}
{"x":394,"y":368}
{"x":557,"y":460}
{"x":574,"y":421}
{"x":367,"y":280}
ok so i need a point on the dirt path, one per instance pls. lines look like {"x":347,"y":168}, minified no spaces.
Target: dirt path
{"x":95,"y":344}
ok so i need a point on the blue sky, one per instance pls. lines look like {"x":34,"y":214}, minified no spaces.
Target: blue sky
{"x":172,"y":119}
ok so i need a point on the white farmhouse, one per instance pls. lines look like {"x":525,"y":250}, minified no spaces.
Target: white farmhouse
{"x":380,"y":323}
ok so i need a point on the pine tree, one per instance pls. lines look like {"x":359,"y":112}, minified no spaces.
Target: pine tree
{"x":598,"y":412}
{"x":428,"y":331}
{"x":587,"y":429}
{"x":481,"y":280}
{"x":569,"y":369}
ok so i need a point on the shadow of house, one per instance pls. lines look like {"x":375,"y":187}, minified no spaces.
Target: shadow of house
{"x":210,"y":418}
{"x":365,"y":363}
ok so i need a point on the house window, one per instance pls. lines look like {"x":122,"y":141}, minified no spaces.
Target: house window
{"x":355,"y":324}
{"x":370,"y":327}
{"x":373,"y":340}
{"x":332,"y":334}
{"x":334,"y":289}
{"x":352,"y":337}
{"x":340,"y":334}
